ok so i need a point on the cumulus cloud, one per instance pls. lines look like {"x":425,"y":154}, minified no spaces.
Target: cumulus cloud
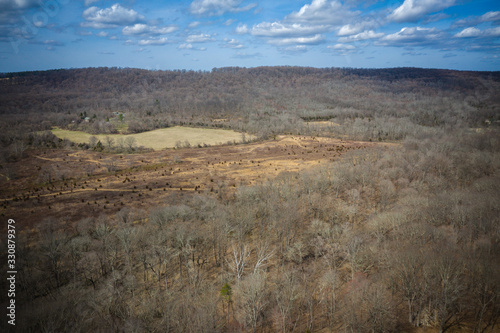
{"x":154,"y":41}
{"x":369,"y":34}
{"x":201,"y":38}
{"x":242,"y":29}
{"x":350,"y":29}
{"x":313,"y":40}
{"x":413,"y":36}
{"x":232,"y":44}
{"x":111,"y":17}
{"x":278,"y":29}
{"x":305,"y":26}
{"x":492,"y":16}
{"x":343,"y":49}
{"x":218,"y":7}
{"x":469,"y":32}
{"x":141,"y":29}
{"x":187,"y":46}
{"x":279,"y":33}
{"x":475,"y":32}
{"x":322,"y":12}
{"x":414,"y":10}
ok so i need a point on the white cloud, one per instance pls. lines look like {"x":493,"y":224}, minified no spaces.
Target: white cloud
{"x":316,"y":39}
{"x":194,"y":24}
{"x":487,"y":17}
{"x":144,"y":29}
{"x":111,"y":17}
{"x":242,"y":29}
{"x":304,"y":26}
{"x":350,"y":29}
{"x":232,"y":43}
{"x":357,"y":27}
{"x":102,"y":34}
{"x":494,"y":32}
{"x":185,"y":46}
{"x":152,"y":41}
{"x":469,"y":32}
{"x":413,"y":10}
{"x":218,"y":7}
{"x":490,"y":17}
{"x":322,"y":12}
{"x":369,"y":34}
{"x":201,"y":38}
{"x":343,"y":49}
{"x":475,"y":32}
{"x":413,"y":36}
{"x":278,"y":29}
{"x":136,"y":29}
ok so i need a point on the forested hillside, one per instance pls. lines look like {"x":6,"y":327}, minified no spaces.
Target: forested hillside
{"x":396,"y":228}
{"x":264,"y":101}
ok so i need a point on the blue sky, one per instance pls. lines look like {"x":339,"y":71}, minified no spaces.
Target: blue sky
{"x":202,"y":34}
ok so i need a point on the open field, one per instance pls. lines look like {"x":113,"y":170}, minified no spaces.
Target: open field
{"x":77,"y":184}
{"x":162,"y":138}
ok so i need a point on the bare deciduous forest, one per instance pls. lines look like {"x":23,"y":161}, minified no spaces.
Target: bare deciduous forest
{"x":399,"y":233}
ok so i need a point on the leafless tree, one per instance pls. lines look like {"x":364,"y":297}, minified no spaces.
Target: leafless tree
{"x":263,"y":254}
{"x":238,"y":259}
{"x":109,"y":141}
{"x":287,"y":294}
{"x":252,"y":298}
{"x":329,"y":286}
{"x":130,"y":142}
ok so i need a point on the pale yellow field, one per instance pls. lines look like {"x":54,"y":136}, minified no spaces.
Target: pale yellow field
{"x":162,"y":138}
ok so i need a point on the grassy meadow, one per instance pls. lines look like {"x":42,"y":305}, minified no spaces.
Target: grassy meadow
{"x":161,"y":138}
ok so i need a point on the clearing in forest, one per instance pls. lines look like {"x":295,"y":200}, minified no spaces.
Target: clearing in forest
{"x":73,"y":184}
{"x":162,"y":138}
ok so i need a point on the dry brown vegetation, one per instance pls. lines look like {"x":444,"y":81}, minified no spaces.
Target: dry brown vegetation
{"x":309,"y":232}
{"x":77,"y":184}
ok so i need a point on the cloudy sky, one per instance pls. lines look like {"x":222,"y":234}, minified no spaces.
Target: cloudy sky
{"x":202,"y":34}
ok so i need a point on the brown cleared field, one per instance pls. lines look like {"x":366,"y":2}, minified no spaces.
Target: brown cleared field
{"x":90,"y":184}
{"x":163,"y":138}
